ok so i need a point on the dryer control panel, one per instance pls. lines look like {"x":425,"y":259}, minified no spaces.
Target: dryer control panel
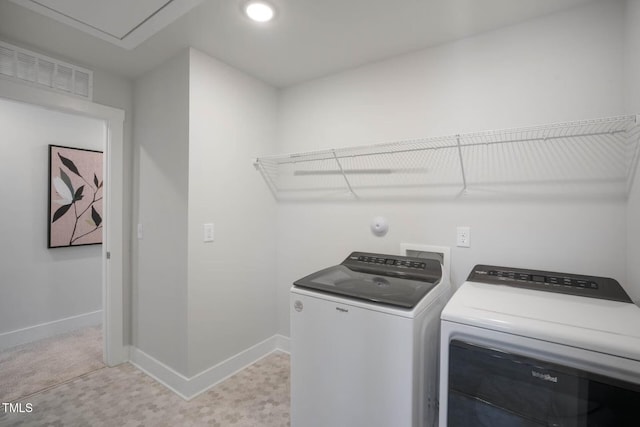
{"x":564,"y":283}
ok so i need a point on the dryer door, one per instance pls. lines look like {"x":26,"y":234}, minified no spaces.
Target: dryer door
{"x":494,"y":388}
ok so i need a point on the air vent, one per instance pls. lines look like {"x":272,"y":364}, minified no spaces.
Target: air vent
{"x":42,"y":71}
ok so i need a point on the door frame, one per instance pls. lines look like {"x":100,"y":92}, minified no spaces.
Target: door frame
{"x":115,"y":351}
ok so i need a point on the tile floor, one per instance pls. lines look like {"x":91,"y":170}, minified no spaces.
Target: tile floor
{"x":36,"y":366}
{"x":124,"y":396}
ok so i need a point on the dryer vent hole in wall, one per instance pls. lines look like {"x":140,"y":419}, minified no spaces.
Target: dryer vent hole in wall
{"x":379,"y":226}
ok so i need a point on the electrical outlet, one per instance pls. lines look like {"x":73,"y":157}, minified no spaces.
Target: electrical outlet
{"x":463,"y":239}
{"x":208,"y":232}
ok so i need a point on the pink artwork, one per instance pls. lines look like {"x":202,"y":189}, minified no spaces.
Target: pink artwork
{"x":75,"y":197}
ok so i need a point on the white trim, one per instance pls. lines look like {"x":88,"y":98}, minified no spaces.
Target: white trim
{"x":113,"y":326}
{"x":283,"y":343}
{"x":49,"y":329}
{"x":188,"y":388}
{"x":173,"y":10}
{"x":157,"y":370}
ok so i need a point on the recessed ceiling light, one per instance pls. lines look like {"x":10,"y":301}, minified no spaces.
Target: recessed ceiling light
{"x":259,"y":11}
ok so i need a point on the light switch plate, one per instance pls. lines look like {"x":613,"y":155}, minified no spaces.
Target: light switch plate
{"x":208,"y":232}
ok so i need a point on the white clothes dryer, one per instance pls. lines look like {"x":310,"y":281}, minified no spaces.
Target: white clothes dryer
{"x":532,"y":348}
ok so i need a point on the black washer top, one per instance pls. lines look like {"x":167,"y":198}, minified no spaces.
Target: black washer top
{"x":383,"y":279}
{"x":564,"y":283}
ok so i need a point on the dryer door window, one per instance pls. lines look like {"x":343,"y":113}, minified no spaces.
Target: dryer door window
{"x":492,"y":388}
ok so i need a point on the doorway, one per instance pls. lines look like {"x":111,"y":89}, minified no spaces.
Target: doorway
{"x":111,"y":252}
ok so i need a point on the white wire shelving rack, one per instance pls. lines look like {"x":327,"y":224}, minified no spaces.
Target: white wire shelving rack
{"x":589,"y":157}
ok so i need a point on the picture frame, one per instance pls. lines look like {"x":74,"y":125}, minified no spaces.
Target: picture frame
{"x":75,"y":208}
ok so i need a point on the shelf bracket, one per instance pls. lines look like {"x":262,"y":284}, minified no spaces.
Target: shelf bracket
{"x":267,"y":178}
{"x":464,"y":176}
{"x":344,"y":175}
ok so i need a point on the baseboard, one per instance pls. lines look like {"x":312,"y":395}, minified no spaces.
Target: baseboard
{"x":283,"y":343}
{"x":157,"y":370}
{"x":188,"y":388}
{"x":49,"y":329}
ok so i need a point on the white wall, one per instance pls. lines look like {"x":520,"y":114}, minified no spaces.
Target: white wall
{"x":199,"y":124}
{"x":162,"y":149}
{"x":564,"y":67}
{"x":232,"y":119}
{"x":632,"y":105}
{"x":40,"y":285}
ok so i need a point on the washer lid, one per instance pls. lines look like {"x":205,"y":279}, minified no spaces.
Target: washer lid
{"x":605,"y":326}
{"x":383,"y":279}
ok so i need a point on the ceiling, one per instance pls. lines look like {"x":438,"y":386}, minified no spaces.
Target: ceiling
{"x":124,"y":23}
{"x":307,"y":39}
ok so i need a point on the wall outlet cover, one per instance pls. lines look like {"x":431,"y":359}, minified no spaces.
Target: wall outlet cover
{"x":463,"y":237}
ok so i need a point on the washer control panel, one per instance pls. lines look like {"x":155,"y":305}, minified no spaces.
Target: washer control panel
{"x":399,"y":262}
{"x":565,"y":283}
{"x":394,"y":265}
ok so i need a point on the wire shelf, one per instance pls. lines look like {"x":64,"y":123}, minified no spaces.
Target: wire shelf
{"x":598,"y":156}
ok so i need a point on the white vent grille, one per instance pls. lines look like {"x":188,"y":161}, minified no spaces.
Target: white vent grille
{"x":41,"y":71}
{"x":45,"y":72}
{"x":7,"y":62}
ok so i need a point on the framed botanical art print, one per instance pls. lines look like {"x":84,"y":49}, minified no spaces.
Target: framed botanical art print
{"x":75,"y":197}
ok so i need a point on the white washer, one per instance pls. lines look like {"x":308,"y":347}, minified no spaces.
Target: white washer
{"x":358,"y":358}
{"x":531,"y":348}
